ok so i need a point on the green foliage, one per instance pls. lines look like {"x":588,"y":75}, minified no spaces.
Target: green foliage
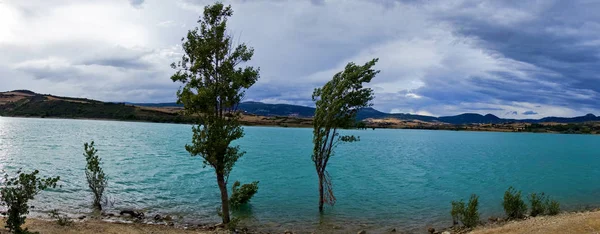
{"x":469,"y":214}
{"x":552,"y":207}
{"x":94,"y":174}
{"x":538,"y":204}
{"x":337,"y":104}
{"x":62,"y":220}
{"x":514,"y":206}
{"x":214,"y":85}
{"x":17,"y":191}
{"x":241,"y":195}
{"x":458,"y":209}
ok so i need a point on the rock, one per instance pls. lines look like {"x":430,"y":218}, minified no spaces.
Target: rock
{"x":168,"y":218}
{"x":431,"y":230}
{"x":32,"y":207}
{"x":3,"y":212}
{"x":171,"y":224}
{"x":393,"y":230}
{"x":157,"y":217}
{"x":362,"y":232}
{"x":81,"y":217}
{"x":288,"y":232}
{"x":446,"y":232}
{"x":132,"y":213}
{"x":108,"y":214}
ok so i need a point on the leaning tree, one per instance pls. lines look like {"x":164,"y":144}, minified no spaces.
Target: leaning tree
{"x":213,"y":85}
{"x":337,"y":103}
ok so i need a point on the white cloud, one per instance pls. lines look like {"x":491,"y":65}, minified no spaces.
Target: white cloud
{"x":118,"y":50}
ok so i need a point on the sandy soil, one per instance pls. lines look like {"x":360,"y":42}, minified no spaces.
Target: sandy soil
{"x":96,"y":226}
{"x":584,"y":222}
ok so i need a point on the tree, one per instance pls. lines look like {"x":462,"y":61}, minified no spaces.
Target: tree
{"x":94,"y":174}
{"x":15,"y":192}
{"x":337,"y":103}
{"x":214,"y":86}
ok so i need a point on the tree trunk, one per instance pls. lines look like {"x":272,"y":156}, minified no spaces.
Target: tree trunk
{"x":224,"y":198}
{"x":321,"y":198}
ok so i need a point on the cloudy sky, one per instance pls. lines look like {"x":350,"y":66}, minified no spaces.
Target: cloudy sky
{"x":514,"y":59}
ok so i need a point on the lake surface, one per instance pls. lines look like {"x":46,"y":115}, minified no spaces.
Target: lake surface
{"x":403,"y":179}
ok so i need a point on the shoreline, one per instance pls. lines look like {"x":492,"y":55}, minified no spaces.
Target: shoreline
{"x":302,"y":126}
{"x":566,"y":222}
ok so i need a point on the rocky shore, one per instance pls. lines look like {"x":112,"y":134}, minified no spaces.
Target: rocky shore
{"x":135,"y":222}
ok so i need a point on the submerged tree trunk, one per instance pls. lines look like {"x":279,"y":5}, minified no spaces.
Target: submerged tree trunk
{"x":321,"y":193}
{"x":224,"y":198}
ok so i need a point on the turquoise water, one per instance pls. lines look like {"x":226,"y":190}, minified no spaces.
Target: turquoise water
{"x":403,"y":179}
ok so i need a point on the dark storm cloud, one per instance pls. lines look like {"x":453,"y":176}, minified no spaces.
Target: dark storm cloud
{"x":118,"y":62}
{"x":136,"y":3}
{"x":530,"y":113}
{"x":441,"y":57}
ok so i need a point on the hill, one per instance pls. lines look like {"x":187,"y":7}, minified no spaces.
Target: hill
{"x":25,"y":103}
{"x":264,"y":109}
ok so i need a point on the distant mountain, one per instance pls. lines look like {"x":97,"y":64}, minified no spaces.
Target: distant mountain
{"x":265,"y":109}
{"x":585,"y":118}
{"x":472,"y":118}
{"x":28,"y":103}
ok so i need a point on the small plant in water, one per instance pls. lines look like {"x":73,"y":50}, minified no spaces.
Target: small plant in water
{"x":241,"y":195}
{"x":538,"y":204}
{"x":15,"y":192}
{"x":62,"y":220}
{"x":94,"y":174}
{"x":469,"y":214}
{"x":552,"y":207}
{"x":513,"y":204}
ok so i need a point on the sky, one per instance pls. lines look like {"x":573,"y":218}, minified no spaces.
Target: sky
{"x":513,"y":59}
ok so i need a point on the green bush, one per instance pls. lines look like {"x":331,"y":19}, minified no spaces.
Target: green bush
{"x":15,"y":192}
{"x":538,"y":204}
{"x":94,"y":174}
{"x":62,"y":220}
{"x":468,"y":214}
{"x":514,"y":206}
{"x":458,"y":208}
{"x":552,"y":207}
{"x":241,"y":195}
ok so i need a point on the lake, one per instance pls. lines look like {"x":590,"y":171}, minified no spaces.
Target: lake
{"x":403,"y":179}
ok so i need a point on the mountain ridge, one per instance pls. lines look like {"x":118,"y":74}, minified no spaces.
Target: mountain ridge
{"x":267,"y":109}
{"x":253,"y":108}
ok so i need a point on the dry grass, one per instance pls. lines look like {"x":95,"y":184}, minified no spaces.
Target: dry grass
{"x":584,"y":222}
{"x":96,"y":226}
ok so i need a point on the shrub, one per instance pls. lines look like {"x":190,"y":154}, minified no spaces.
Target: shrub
{"x":62,"y":220}
{"x":468,"y":214}
{"x":94,"y":174}
{"x":514,"y":206}
{"x":538,"y":204}
{"x":458,"y":208}
{"x":552,"y":207}
{"x":471,"y":214}
{"x":17,"y":191}
{"x":241,"y":195}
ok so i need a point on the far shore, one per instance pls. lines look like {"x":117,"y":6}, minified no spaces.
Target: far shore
{"x":271,"y":124}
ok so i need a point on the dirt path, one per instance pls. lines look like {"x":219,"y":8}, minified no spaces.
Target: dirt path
{"x":585,"y":222}
{"x":95,"y":226}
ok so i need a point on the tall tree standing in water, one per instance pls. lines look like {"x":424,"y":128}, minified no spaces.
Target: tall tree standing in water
{"x":337,"y":104}
{"x":213,"y":86}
